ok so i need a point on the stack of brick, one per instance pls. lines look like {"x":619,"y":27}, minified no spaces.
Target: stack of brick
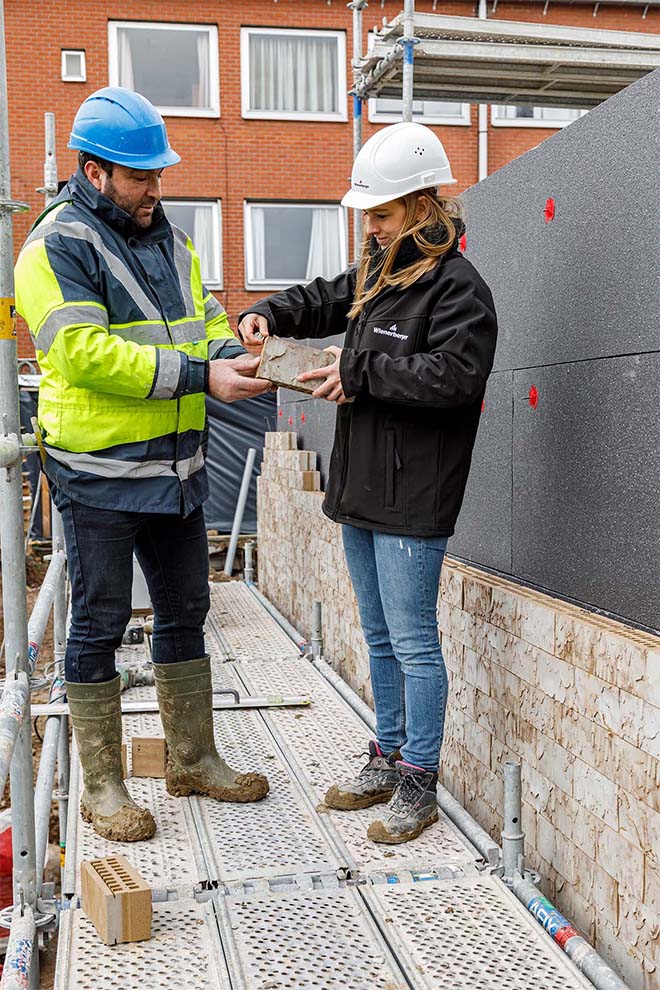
{"x":572,"y":695}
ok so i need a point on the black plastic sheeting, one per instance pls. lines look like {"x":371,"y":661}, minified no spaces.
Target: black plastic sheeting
{"x":233,"y":429}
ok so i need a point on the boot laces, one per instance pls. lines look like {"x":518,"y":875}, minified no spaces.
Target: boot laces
{"x":409,"y":791}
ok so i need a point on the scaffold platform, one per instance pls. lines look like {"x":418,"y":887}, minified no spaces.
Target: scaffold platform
{"x":286,"y":894}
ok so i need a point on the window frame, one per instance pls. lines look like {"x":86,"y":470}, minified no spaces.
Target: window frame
{"x":550,"y":124}
{"x":256,"y":285}
{"x":338,"y":116}
{"x":214,"y":68}
{"x":66,"y":77}
{"x":394,"y":118}
{"x":216,"y":205}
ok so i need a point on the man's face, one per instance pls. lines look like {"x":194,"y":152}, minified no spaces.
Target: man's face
{"x":134,"y":190}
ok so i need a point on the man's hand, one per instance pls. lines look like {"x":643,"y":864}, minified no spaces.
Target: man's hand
{"x":332,"y":388}
{"x":234,"y":379}
{"x":253,"y":330}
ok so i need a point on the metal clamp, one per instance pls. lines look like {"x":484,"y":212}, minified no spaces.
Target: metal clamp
{"x":13,"y":206}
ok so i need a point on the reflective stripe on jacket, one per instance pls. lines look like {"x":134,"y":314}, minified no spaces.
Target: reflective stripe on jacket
{"x":122,"y":324}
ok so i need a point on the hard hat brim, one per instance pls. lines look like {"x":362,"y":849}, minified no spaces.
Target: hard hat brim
{"x":162,"y":159}
{"x":363,"y":201}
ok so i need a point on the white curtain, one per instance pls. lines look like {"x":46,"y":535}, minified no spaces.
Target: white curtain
{"x":125,"y":60}
{"x":201,"y":93}
{"x":291,"y":73}
{"x":202,"y":238}
{"x":324,"y":256}
{"x":258,"y":231}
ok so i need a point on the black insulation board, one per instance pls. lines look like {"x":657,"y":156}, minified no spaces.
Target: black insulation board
{"x":564,"y":492}
{"x":489,"y":488}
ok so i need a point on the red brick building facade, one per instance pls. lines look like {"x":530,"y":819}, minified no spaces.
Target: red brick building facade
{"x":243,"y":167}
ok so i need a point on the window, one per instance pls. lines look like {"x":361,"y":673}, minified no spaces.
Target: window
{"x":513,"y":116}
{"x":293,"y":75}
{"x":74,"y":68}
{"x":202,"y":221}
{"x":425,"y":111}
{"x":174,"y":65}
{"x":293,"y":242}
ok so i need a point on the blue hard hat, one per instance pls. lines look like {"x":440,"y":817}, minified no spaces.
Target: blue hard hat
{"x":123,"y":127}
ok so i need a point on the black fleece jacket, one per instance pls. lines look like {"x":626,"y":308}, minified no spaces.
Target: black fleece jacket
{"x":416,"y":362}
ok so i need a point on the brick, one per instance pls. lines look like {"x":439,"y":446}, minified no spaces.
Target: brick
{"x":555,"y":677}
{"x":622,"y":860}
{"x":638,"y":772}
{"x":280,"y":441}
{"x":555,"y":763}
{"x":283,"y":360}
{"x":639,"y":824}
{"x":597,"y":793}
{"x":116,"y":900}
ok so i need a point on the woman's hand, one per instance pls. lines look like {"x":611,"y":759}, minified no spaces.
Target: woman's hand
{"x":252,"y":331}
{"x":332,"y":388}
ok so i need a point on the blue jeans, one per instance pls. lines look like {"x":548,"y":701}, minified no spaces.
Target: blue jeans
{"x":396,"y":581}
{"x":173,"y":554}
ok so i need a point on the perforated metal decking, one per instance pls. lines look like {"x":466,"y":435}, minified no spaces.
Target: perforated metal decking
{"x":284,"y":894}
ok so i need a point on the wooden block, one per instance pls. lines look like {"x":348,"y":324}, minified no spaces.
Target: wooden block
{"x":283,"y":360}
{"x":124,"y":761}
{"x":148,"y":757}
{"x":116,"y":900}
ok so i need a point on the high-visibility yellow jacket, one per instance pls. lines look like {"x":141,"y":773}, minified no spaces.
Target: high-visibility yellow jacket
{"x":123,"y":328}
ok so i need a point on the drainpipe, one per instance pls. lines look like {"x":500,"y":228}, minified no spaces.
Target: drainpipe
{"x":483,"y":114}
{"x":357,"y":6}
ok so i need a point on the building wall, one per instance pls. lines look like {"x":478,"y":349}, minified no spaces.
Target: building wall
{"x":228,"y":157}
{"x":572,"y":696}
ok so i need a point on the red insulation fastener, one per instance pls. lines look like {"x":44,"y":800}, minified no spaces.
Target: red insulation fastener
{"x":462,"y":242}
{"x":549,"y":211}
{"x":533,"y":397}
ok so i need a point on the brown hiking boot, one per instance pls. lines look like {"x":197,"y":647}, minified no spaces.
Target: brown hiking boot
{"x":373,"y":785}
{"x":95,"y":711}
{"x":194,"y":765}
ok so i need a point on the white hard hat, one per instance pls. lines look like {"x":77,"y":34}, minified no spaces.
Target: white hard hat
{"x":395,"y":161}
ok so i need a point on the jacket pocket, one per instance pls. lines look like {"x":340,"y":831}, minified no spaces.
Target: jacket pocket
{"x":392,"y":467}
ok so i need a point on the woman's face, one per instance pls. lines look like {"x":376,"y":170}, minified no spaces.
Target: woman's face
{"x":385,"y":222}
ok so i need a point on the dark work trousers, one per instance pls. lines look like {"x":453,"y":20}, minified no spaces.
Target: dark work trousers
{"x":173,"y":554}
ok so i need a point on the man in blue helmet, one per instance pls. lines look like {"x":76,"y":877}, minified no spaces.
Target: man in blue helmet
{"x":127,"y":338}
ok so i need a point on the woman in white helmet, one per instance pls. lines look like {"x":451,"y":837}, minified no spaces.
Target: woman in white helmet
{"x":420,"y":338}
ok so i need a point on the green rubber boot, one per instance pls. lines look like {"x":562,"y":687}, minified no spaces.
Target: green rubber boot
{"x":95,"y":711}
{"x":194,"y":766}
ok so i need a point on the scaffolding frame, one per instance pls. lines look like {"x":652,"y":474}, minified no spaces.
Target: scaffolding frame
{"x":34,"y":906}
{"x":475,"y":60}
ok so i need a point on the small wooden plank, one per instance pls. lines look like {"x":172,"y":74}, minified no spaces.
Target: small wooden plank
{"x":148,"y":756}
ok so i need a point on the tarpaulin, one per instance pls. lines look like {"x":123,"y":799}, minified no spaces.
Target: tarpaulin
{"x":233,"y":428}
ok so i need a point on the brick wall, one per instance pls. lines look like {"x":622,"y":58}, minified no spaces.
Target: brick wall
{"x":231,"y":158}
{"x":570,"y":694}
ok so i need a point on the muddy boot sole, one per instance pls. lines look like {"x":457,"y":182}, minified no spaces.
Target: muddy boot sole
{"x":129,"y":824}
{"x":378,"y":832}
{"x":248,"y":787}
{"x":341,"y":801}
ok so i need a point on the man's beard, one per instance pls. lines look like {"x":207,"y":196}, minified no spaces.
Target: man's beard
{"x":111,"y":192}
